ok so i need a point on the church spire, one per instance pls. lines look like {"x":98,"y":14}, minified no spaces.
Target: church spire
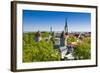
{"x":66,"y":27}
{"x":66,"y":23}
{"x":51,"y":29}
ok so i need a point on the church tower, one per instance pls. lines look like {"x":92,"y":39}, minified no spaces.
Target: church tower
{"x":38,"y":36}
{"x":51,"y":30}
{"x":66,"y":28}
{"x":64,"y":35}
{"x":50,"y":34}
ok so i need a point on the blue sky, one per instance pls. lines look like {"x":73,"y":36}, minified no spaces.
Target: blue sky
{"x":43,"y":20}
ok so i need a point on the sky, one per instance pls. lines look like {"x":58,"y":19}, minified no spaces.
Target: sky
{"x":42,"y":21}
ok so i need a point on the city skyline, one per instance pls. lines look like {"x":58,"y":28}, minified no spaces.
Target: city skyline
{"x":43,"y":20}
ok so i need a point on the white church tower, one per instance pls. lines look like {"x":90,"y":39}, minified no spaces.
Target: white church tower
{"x":38,"y":36}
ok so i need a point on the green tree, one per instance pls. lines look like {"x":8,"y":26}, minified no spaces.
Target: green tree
{"x":38,"y":51}
{"x":83,"y":50}
{"x":71,"y":39}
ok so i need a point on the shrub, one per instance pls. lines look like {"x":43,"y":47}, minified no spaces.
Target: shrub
{"x":39,"y":51}
{"x":83,"y":50}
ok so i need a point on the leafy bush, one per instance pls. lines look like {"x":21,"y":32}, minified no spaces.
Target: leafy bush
{"x":71,"y":39}
{"x":38,"y":51}
{"x":45,"y":34}
{"x":83,"y":49}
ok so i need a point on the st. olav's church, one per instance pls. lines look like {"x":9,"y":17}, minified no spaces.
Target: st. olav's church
{"x":62,"y":36}
{"x":60,"y":41}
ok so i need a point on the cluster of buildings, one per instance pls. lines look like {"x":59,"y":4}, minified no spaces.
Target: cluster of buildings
{"x":59,"y":37}
{"x":61,"y":41}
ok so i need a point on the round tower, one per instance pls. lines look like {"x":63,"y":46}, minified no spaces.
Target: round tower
{"x":38,"y":36}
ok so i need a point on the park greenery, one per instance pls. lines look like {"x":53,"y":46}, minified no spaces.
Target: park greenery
{"x":38,"y":51}
{"x":71,"y":39}
{"x":83,"y":48}
{"x":44,"y":50}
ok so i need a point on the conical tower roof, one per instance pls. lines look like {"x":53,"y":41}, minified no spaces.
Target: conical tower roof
{"x":38,"y":34}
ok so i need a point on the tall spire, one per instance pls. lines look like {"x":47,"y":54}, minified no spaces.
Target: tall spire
{"x":66,"y":27}
{"x":66,"y":23}
{"x":51,"y":29}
